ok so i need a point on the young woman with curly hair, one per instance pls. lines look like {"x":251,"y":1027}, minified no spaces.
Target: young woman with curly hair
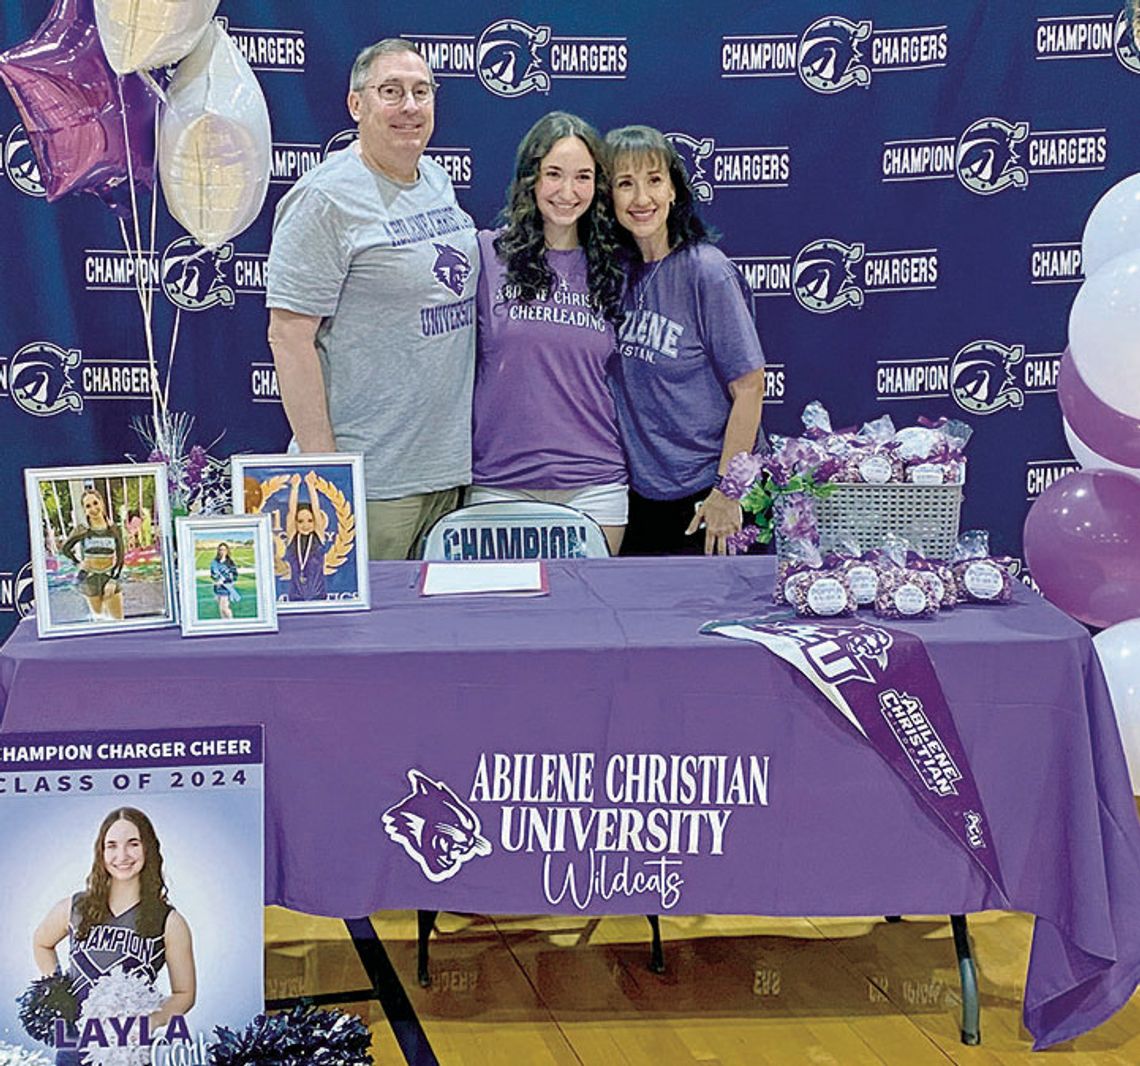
{"x":549,"y":294}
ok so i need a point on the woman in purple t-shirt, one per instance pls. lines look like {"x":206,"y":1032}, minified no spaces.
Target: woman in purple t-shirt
{"x":688,"y":380}
{"x":544,"y":426}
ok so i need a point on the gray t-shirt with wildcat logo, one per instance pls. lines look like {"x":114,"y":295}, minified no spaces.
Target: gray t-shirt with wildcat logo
{"x":392,"y":271}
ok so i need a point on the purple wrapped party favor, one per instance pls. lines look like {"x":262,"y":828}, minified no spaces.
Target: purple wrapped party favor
{"x":905,"y":594}
{"x":820,"y":594}
{"x":983,"y":581}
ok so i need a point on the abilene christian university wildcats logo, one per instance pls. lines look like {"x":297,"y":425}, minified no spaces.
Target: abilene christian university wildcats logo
{"x":451,"y":267}
{"x":435,"y":827}
{"x":841,"y":653}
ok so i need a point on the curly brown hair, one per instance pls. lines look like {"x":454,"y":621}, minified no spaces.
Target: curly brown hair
{"x":522,"y":244}
{"x":93,"y":905}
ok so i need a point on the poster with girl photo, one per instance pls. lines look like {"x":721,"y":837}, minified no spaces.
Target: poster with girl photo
{"x":142,"y":914}
{"x":225,"y":575}
{"x":101,"y":548}
{"x":318,"y":522}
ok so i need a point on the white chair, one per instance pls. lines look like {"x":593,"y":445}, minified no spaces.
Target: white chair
{"x":514,"y":529}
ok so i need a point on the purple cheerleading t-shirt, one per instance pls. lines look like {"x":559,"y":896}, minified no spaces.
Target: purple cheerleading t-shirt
{"x":688,"y":332}
{"x":543,"y":416}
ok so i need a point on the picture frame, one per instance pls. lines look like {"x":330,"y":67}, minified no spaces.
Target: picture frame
{"x":320,"y":559}
{"x":102,"y":549}
{"x":226,"y":583}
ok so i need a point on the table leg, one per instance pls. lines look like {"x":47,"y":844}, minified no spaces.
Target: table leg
{"x":425,"y":922}
{"x":967,"y":971}
{"x":656,"y":953}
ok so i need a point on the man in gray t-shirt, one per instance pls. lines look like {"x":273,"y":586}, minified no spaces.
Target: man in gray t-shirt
{"x":371,"y":291}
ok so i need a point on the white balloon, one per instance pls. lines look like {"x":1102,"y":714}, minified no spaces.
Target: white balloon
{"x":1118,"y":648}
{"x":144,"y":34}
{"x":214,"y":142}
{"x":1113,"y":227}
{"x":1089,"y":459}
{"x":1104,"y":333}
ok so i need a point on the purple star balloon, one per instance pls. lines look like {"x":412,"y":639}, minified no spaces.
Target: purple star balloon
{"x":68,"y":98}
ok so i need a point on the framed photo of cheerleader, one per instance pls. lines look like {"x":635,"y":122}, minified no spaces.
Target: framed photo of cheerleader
{"x":101,"y":548}
{"x":225,"y":575}
{"x":318,"y":523}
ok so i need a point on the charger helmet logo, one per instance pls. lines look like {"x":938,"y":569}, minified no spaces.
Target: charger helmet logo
{"x":822,"y":280}
{"x":24,"y":591}
{"x":451,"y":267}
{"x":192,"y":276}
{"x":981,"y":377}
{"x":20,"y":163}
{"x":40,"y":379}
{"x":507,"y":58}
{"x":340,"y":141}
{"x":1125,"y":42}
{"x":829,"y":58}
{"x":986,"y":158}
{"x":693,"y":153}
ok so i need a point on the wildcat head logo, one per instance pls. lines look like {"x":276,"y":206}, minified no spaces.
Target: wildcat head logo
{"x":1125,"y":41}
{"x":451,"y":267}
{"x":40,"y":379}
{"x":987,"y":159}
{"x":839,"y":653}
{"x":693,"y":153}
{"x":822,"y":278}
{"x":20,"y":163}
{"x":508,"y":60}
{"x":435,"y":827}
{"x":981,"y":377}
{"x":829,"y":58}
{"x":192,"y":277}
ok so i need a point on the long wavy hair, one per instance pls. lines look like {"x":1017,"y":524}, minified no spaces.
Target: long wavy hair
{"x":522,"y":244}
{"x":645,"y":146}
{"x":94,"y":904}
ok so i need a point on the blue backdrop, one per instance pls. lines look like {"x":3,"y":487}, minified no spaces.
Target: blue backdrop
{"x":905,"y":186}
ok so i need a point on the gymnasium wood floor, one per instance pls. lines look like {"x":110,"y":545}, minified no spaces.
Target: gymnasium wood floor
{"x":534,"y":990}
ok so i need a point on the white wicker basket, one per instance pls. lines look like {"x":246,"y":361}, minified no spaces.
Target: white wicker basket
{"x":926,"y":515}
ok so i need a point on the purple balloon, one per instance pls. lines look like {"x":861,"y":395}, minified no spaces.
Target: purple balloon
{"x":1082,"y":543}
{"x":68,"y":98}
{"x":1103,"y":429}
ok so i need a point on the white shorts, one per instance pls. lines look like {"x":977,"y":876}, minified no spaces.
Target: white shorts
{"x":608,"y":505}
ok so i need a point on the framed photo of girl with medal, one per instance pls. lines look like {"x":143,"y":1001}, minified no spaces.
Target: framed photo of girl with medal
{"x":319,"y":526}
{"x":101,"y":548}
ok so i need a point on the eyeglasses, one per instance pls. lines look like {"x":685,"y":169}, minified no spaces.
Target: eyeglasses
{"x":392,"y":93}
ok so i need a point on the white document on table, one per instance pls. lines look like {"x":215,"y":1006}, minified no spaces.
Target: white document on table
{"x":526,"y":578}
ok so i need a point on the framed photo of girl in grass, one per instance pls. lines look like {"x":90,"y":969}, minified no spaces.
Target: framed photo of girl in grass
{"x":101,"y":548}
{"x":225,"y":575}
{"x":316,"y":506}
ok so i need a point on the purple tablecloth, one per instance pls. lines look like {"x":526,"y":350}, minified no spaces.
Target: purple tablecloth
{"x":754,"y":798}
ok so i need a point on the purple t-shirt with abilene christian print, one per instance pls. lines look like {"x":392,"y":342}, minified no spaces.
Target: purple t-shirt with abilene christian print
{"x":688,"y":331}
{"x":543,"y":415}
